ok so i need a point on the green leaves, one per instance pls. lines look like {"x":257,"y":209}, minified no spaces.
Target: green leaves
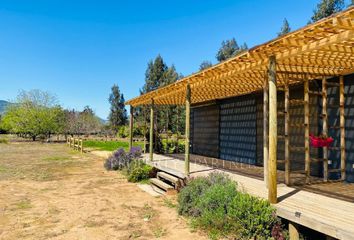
{"x":216,"y":205}
{"x":285,"y":28}
{"x":34,"y":114}
{"x":326,"y":8}
{"x":229,"y":48}
{"x":118,"y":114}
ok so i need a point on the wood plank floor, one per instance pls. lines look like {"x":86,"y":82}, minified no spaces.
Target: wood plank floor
{"x":327,"y":208}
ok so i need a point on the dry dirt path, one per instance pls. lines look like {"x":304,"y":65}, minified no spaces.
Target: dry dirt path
{"x":47,"y":191}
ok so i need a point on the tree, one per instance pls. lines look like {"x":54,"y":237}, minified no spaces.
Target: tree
{"x":89,"y":122}
{"x":326,"y":8}
{"x":154,"y":75}
{"x":205,"y":65}
{"x":118,"y":114}
{"x":285,"y":28}
{"x":35,"y":113}
{"x":228,"y":49}
{"x":84,"y":122}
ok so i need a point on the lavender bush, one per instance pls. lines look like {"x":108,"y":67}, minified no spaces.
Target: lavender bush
{"x":121,"y":159}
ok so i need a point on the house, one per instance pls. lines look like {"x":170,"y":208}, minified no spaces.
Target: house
{"x":266,"y":108}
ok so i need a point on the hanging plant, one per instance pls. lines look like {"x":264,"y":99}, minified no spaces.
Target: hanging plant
{"x":321,"y":141}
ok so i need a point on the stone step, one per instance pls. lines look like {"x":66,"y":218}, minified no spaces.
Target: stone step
{"x":168,"y":177}
{"x":161,"y":184}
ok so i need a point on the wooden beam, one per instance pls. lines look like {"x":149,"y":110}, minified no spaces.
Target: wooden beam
{"x":187,"y":131}
{"x":273,"y":132}
{"x":325,"y":127}
{"x":265,"y":131}
{"x":131,"y":123}
{"x":286,"y":130}
{"x":307,"y":129}
{"x":342,"y":127}
{"x":293,"y":231}
{"x":151,"y":143}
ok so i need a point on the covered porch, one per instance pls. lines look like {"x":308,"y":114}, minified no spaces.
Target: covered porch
{"x":302,"y":80}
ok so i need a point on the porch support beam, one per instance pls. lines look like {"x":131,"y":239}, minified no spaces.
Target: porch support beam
{"x":187,"y":131}
{"x":293,"y":231}
{"x":273,"y":133}
{"x":265,"y":131}
{"x":342,"y":128}
{"x":151,"y":143}
{"x":131,"y":125}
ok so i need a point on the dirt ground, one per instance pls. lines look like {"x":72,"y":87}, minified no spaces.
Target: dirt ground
{"x":48,"y":191}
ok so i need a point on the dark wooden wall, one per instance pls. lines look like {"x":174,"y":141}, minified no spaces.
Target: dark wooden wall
{"x":232,"y":129}
{"x":238,"y":129}
{"x":205,"y":131}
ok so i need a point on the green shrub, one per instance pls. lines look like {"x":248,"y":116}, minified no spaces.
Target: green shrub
{"x":215,"y":204}
{"x":190,"y":195}
{"x":255,"y":216}
{"x":138,"y":171}
{"x":4,"y":140}
{"x":123,"y":131}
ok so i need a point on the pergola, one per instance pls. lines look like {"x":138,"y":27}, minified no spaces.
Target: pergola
{"x":317,"y":51}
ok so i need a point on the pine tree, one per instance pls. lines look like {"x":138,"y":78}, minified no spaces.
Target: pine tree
{"x":205,"y":65}
{"x":285,"y":28}
{"x":118,"y":114}
{"x":228,"y":49}
{"x":154,"y":74}
{"x":326,"y":8}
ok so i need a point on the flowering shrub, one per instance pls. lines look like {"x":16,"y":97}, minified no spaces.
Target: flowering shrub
{"x":121,"y":159}
{"x":215,"y":204}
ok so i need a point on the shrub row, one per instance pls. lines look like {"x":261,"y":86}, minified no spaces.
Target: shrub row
{"x":130,"y":162}
{"x":215,"y":204}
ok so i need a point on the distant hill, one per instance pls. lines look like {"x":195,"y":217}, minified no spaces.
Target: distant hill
{"x":103,"y":121}
{"x":3,"y":105}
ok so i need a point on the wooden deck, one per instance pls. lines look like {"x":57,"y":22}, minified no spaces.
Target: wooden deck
{"x":327,"y":208}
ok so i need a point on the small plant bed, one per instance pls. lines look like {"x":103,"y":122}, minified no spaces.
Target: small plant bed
{"x":130,"y":164}
{"x":216,"y":205}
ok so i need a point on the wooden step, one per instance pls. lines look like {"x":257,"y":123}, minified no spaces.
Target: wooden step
{"x":157,"y":182}
{"x":168,"y":177}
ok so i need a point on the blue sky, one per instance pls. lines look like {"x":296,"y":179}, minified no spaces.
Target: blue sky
{"x":78,"y":49}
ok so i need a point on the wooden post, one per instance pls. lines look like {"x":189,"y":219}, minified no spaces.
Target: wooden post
{"x":187,"y":140}
{"x":151,"y":144}
{"x":325,"y":127}
{"x":131,"y":124}
{"x":265,"y":131}
{"x":286,"y":130}
{"x":177,"y":130}
{"x":307,"y":129}
{"x":81,"y":146}
{"x":293,"y":231}
{"x":273,"y":132}
{"x":342,"y":128}
{"x":145,"y":127}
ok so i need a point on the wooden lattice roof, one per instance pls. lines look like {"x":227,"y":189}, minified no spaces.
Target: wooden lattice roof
{"x":324,"y":48}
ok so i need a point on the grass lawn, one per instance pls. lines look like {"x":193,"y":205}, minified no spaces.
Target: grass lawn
{"x":110,"y":145}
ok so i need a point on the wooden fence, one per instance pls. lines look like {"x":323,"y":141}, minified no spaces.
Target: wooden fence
{"x":75,"y":143}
